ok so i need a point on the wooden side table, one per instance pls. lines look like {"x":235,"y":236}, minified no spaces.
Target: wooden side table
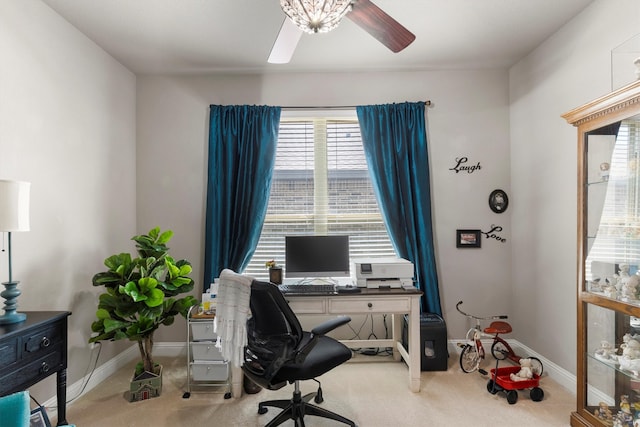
{"x":32,"y":350}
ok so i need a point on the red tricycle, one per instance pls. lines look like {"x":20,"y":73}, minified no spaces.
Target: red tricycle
{"x":472,"y":353}
{"x":501,"y":381}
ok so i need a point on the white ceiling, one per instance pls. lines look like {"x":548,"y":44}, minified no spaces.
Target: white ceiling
{"x":207,"y":36}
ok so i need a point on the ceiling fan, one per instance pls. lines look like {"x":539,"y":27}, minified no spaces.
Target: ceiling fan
{"x":314,"y":16}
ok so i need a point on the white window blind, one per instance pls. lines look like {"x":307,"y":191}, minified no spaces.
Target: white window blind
{"x":320,"y":186}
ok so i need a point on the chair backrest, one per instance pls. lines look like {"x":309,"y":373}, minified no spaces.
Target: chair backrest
{"x":273,"y":334}
{"x":14,"y":409}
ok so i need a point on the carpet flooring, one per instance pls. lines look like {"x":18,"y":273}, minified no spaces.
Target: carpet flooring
{"x":370,"y":394}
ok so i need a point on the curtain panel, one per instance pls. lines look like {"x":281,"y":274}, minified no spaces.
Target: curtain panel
{"x":395,"y":144}
{"x":242,"y":148}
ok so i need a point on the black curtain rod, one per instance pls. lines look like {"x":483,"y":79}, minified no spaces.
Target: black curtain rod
{"x":335,"y":107}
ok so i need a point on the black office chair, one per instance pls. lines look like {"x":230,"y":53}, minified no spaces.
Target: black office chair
{"x":280,"y":352}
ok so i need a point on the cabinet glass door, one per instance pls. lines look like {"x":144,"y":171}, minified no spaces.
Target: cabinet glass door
{"x":612,"y":366}
{"x":612,"y":273}
{"x":613,"y":211}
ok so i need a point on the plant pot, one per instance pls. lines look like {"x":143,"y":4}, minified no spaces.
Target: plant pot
{"x":249,"y":386}
{"x":145,"y":386}
{"x":275,"y":275}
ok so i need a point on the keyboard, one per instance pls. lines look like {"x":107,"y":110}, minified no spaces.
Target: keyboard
{"x":324,"y":289}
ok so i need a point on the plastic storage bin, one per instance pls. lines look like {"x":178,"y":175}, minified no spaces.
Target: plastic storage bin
{"x":433,"y":342}
{"x":210,"y":371}
{"x":203,"y":330}
{"x":205,"y":351}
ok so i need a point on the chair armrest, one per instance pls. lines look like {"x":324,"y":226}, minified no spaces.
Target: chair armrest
{"x":317,"y":332}
{"x":330,"y":325}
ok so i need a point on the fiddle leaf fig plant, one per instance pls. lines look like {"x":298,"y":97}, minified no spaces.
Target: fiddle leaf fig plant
{"x":141,"y":293}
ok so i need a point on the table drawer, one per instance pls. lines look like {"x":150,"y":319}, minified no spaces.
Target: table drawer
{"x":369,"y":305}
{"x":8,"y":353}
{"x":308,"y":305}
{"x":34,"y":371}
{"x":41,"y":341}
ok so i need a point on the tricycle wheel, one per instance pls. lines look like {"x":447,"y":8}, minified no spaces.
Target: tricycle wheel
{"x":469,"y":359}
{"x":536,"y":394}
{"x":499,"y":350}
{"x":512,"y":397}
{"x":492,"y":387}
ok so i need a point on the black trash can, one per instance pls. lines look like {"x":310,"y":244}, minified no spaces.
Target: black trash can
{"x":433,"y":342}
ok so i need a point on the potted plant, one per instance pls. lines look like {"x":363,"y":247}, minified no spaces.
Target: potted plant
{"x":141,"y":295}
{"x":275,"y":271}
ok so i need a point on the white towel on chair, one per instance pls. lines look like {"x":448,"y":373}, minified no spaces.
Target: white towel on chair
{"x":232,"y":312}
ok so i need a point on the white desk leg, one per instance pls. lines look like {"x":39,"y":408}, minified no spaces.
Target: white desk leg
{"x":396,"y":330}
{"x":414,"y":345}
{"x":237,"y":377}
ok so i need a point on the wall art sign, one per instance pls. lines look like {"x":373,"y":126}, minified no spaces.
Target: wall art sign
{"x":491,"y":234}
{"x":468,"y":238}
{"x":461,"y":166}
{"x":498,"y":201}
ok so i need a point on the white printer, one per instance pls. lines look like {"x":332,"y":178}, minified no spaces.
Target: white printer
{"x":382,"y":272}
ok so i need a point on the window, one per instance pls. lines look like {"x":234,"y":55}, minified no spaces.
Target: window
{"x":320,"y":185}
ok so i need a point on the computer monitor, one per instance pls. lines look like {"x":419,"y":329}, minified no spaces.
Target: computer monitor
{"x":317,"y":256}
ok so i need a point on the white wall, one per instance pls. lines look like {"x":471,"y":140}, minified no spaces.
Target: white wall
{"x":568,"y":70}
{"x":67,"y":125}
{"x":469,"y":117}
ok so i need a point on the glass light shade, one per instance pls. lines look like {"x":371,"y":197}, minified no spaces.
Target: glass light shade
{"x":316,"y":16}
{"x":14,"y":205}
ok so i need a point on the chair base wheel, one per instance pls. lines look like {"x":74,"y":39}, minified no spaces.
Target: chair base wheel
{"x":298,"y":408}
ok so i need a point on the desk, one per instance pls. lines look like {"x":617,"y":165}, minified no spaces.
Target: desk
{"x":32,"y":350}
{"x":397,"y":302}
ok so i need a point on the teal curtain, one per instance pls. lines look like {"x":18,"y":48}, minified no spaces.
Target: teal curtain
{"x":395,"y":145}
{"x":242,"y":151}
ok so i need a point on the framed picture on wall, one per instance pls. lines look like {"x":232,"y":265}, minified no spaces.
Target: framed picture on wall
{"x":498,"y":201}
{"x":468,"y":238}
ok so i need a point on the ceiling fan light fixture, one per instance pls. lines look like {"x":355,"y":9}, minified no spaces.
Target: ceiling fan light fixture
{"x":316,"y":16}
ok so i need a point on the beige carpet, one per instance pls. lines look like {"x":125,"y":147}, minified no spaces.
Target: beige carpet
{"x":371,"y":394}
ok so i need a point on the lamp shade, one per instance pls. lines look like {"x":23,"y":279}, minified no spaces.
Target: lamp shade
{"x":14,"y":205}
{"x":316,"y":16}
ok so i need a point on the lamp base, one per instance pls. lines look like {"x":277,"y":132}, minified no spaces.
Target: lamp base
{"x":11,"y":294}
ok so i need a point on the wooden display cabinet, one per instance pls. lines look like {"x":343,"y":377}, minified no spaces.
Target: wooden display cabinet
{"x":608,"y":297}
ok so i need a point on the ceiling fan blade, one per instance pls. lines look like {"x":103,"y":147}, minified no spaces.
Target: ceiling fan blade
{"x":285,"y":43}
{"x":384,"y":28}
